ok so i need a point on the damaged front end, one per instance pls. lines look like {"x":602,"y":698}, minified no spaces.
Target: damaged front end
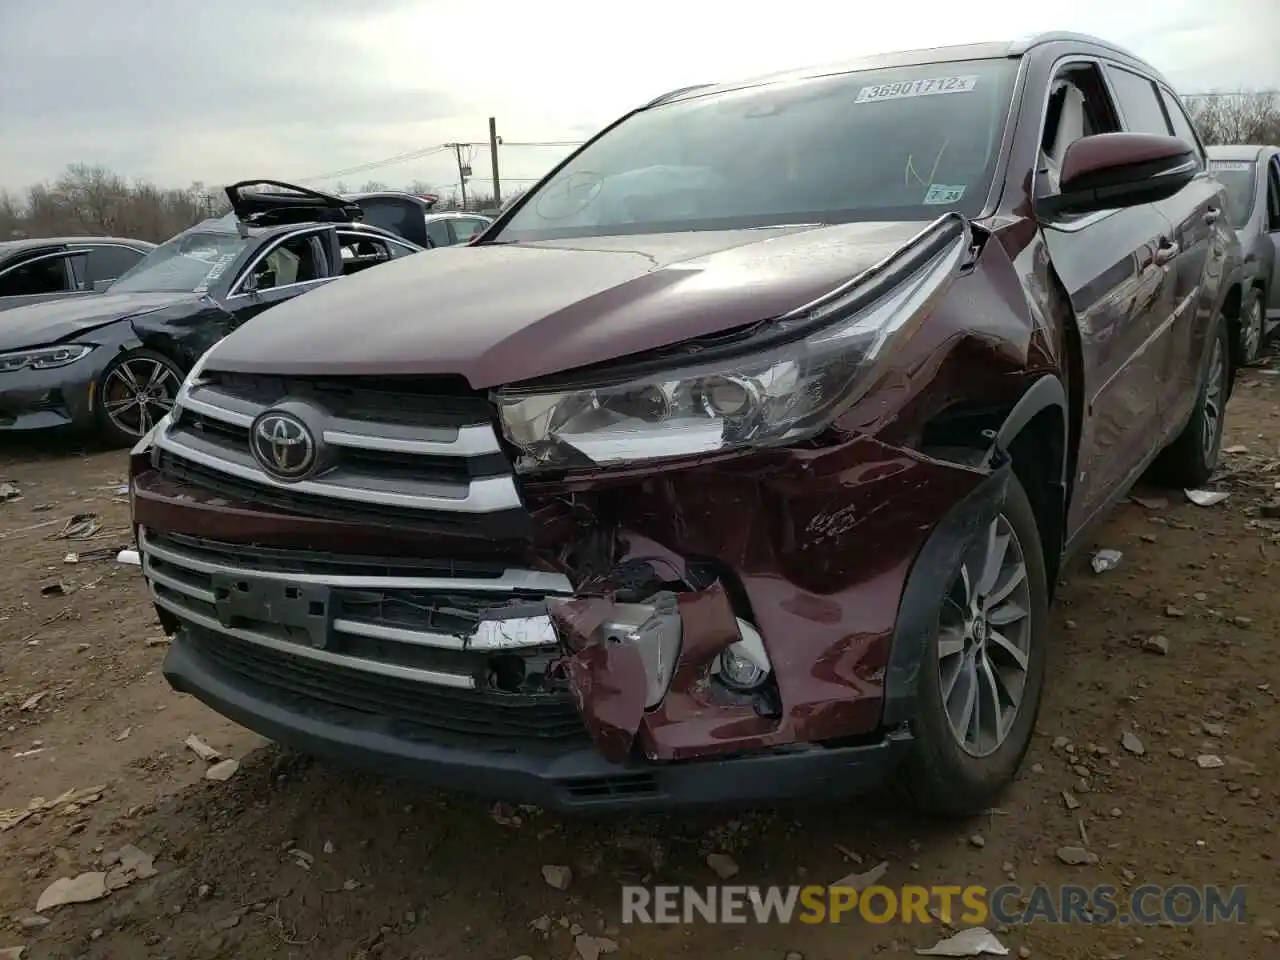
{"x":706,"y":578}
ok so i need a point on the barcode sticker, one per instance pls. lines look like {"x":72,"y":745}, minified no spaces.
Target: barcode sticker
{"x":916,"y":88}
{"x":1230,"y":166}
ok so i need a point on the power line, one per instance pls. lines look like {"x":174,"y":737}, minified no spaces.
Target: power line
{"x":378,"y":164}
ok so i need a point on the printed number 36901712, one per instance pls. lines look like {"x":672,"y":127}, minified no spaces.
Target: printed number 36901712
{"x":916,"y":88}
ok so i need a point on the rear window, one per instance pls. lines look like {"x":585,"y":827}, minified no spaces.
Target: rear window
{"x":1240,"y":177}
{"x":401,"y":217}
{"x":897,"y":144}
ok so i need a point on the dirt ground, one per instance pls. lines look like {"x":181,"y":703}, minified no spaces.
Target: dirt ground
{"x":392,"y":870}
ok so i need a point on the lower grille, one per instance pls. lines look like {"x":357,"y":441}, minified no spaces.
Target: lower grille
{"x":439,"y":649}
{"x":455,"y":718}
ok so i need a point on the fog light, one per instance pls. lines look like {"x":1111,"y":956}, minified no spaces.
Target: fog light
{"x":739,"y":671}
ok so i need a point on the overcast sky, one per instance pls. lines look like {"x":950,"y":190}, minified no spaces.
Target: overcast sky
{"x":180,"y":90}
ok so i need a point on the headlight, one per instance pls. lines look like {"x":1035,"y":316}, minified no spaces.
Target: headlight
{"x":826,"y":356}
{"x":44,"y":358}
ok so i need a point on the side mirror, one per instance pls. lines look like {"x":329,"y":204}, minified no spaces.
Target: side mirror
{"x":1108,"y":171}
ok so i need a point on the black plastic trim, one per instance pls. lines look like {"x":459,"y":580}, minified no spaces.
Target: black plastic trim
{"x":922,"y":596}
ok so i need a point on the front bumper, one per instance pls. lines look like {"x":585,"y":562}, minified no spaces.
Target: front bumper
{"x":44,"y":399}
{"x":575,"y":779}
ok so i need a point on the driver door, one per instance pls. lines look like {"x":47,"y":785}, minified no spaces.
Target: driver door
{"x":284,"y":269}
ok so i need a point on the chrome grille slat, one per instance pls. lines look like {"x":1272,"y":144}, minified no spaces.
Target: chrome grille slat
{"x":481,"y":495}
{"x":436,"y":677}
{"x":181,"y":583}
{"x":511,"y":581}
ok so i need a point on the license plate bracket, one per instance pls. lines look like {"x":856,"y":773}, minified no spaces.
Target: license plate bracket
{"x":247,"y":601}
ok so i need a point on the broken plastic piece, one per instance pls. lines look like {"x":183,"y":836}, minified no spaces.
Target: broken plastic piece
{"x":1206,"y":498}
{"x":1105,"y":560}
{"x":974,"y":942}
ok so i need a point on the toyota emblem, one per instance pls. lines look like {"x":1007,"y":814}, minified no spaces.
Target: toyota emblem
{"x":283,"y":445}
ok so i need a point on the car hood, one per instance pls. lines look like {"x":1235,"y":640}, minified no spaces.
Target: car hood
{"x":54,"y":320}
{"x":501,"y":313}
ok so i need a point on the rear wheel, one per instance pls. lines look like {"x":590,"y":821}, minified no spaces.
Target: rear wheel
{"x":1191,"y":458}
{"x":982,"y":678}
{"x":136,"y":390}
{"x":1253,"y":328}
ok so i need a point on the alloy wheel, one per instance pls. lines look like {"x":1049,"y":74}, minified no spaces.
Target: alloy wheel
{"x":138,"y":392}
{"x":984,"y":642}
{"x":1251,"y":332}
{"x":1214,"y":395}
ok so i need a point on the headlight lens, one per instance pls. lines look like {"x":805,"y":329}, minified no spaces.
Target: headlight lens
{"x":44,"y":358}
{"x":779,"y":396}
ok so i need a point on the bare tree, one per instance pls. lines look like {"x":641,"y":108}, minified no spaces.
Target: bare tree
{"x":1241,"y":117}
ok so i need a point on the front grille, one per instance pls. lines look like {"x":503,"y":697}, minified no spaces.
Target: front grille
{"x":443,"y":648}
{"x":423,"y":454}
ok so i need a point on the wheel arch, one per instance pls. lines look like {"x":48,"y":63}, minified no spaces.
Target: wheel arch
{"x":1031,"y":444}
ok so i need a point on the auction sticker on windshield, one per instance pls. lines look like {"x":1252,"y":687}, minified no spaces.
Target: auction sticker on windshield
{"x":916,"y":88}
{"x":941,"y":193}
{"x":1230,"y":166}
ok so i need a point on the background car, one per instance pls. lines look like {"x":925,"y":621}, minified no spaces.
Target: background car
{"x":113,"y":363}
{"x":32,"y":271}
{"x":1251,"y":174}
{"x":445,"y":228}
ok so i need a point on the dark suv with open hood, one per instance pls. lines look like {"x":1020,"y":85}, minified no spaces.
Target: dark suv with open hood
{"x":737,"y":459}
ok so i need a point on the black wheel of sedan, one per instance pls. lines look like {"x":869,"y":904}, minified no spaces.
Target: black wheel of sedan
{"x":1253,"y":327}
{"x":136,"y":390}
{"x":981,"y":682}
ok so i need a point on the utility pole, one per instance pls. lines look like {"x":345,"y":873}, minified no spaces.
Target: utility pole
{"x":493,"y":160}
{"x":464,"y":170}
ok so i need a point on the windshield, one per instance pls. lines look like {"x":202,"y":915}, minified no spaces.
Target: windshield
{"x":1240,"y":179}
{"x":188,"y":263}
{"x":908,"y":143}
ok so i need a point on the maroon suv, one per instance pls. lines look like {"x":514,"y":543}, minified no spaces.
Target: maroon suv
{"x":737,"y":460}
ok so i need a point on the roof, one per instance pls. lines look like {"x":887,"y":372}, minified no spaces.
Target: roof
{"x":1011,"y":49}
{"x":9,"y":247}
{"x":1238,"y":151}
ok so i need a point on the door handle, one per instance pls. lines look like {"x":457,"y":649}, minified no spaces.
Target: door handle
{"x":1211,"y":215}
{"x":1166,"y":252}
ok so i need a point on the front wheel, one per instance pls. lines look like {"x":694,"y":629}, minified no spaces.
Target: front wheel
{"x":982,"y":678}
{"x":136,"y":390}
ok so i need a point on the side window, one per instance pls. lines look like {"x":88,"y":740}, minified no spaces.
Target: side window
{"x":297,"y":259}
{"x":1079,"y":106}
{"x":438,"y":231}
{"x":109,"y":262}
{"x":1182,"y":127}
{"x":43,"y":275}
{"x":1139,"y":102}
{"x":464,"y":228}
{"x":361,"y":251}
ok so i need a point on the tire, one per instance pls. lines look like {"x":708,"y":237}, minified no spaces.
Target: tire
{"x":1190,"y":459}
{"x":119,"y":422}
{"x":1253,"y":328}
{"x":940,"y":775}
